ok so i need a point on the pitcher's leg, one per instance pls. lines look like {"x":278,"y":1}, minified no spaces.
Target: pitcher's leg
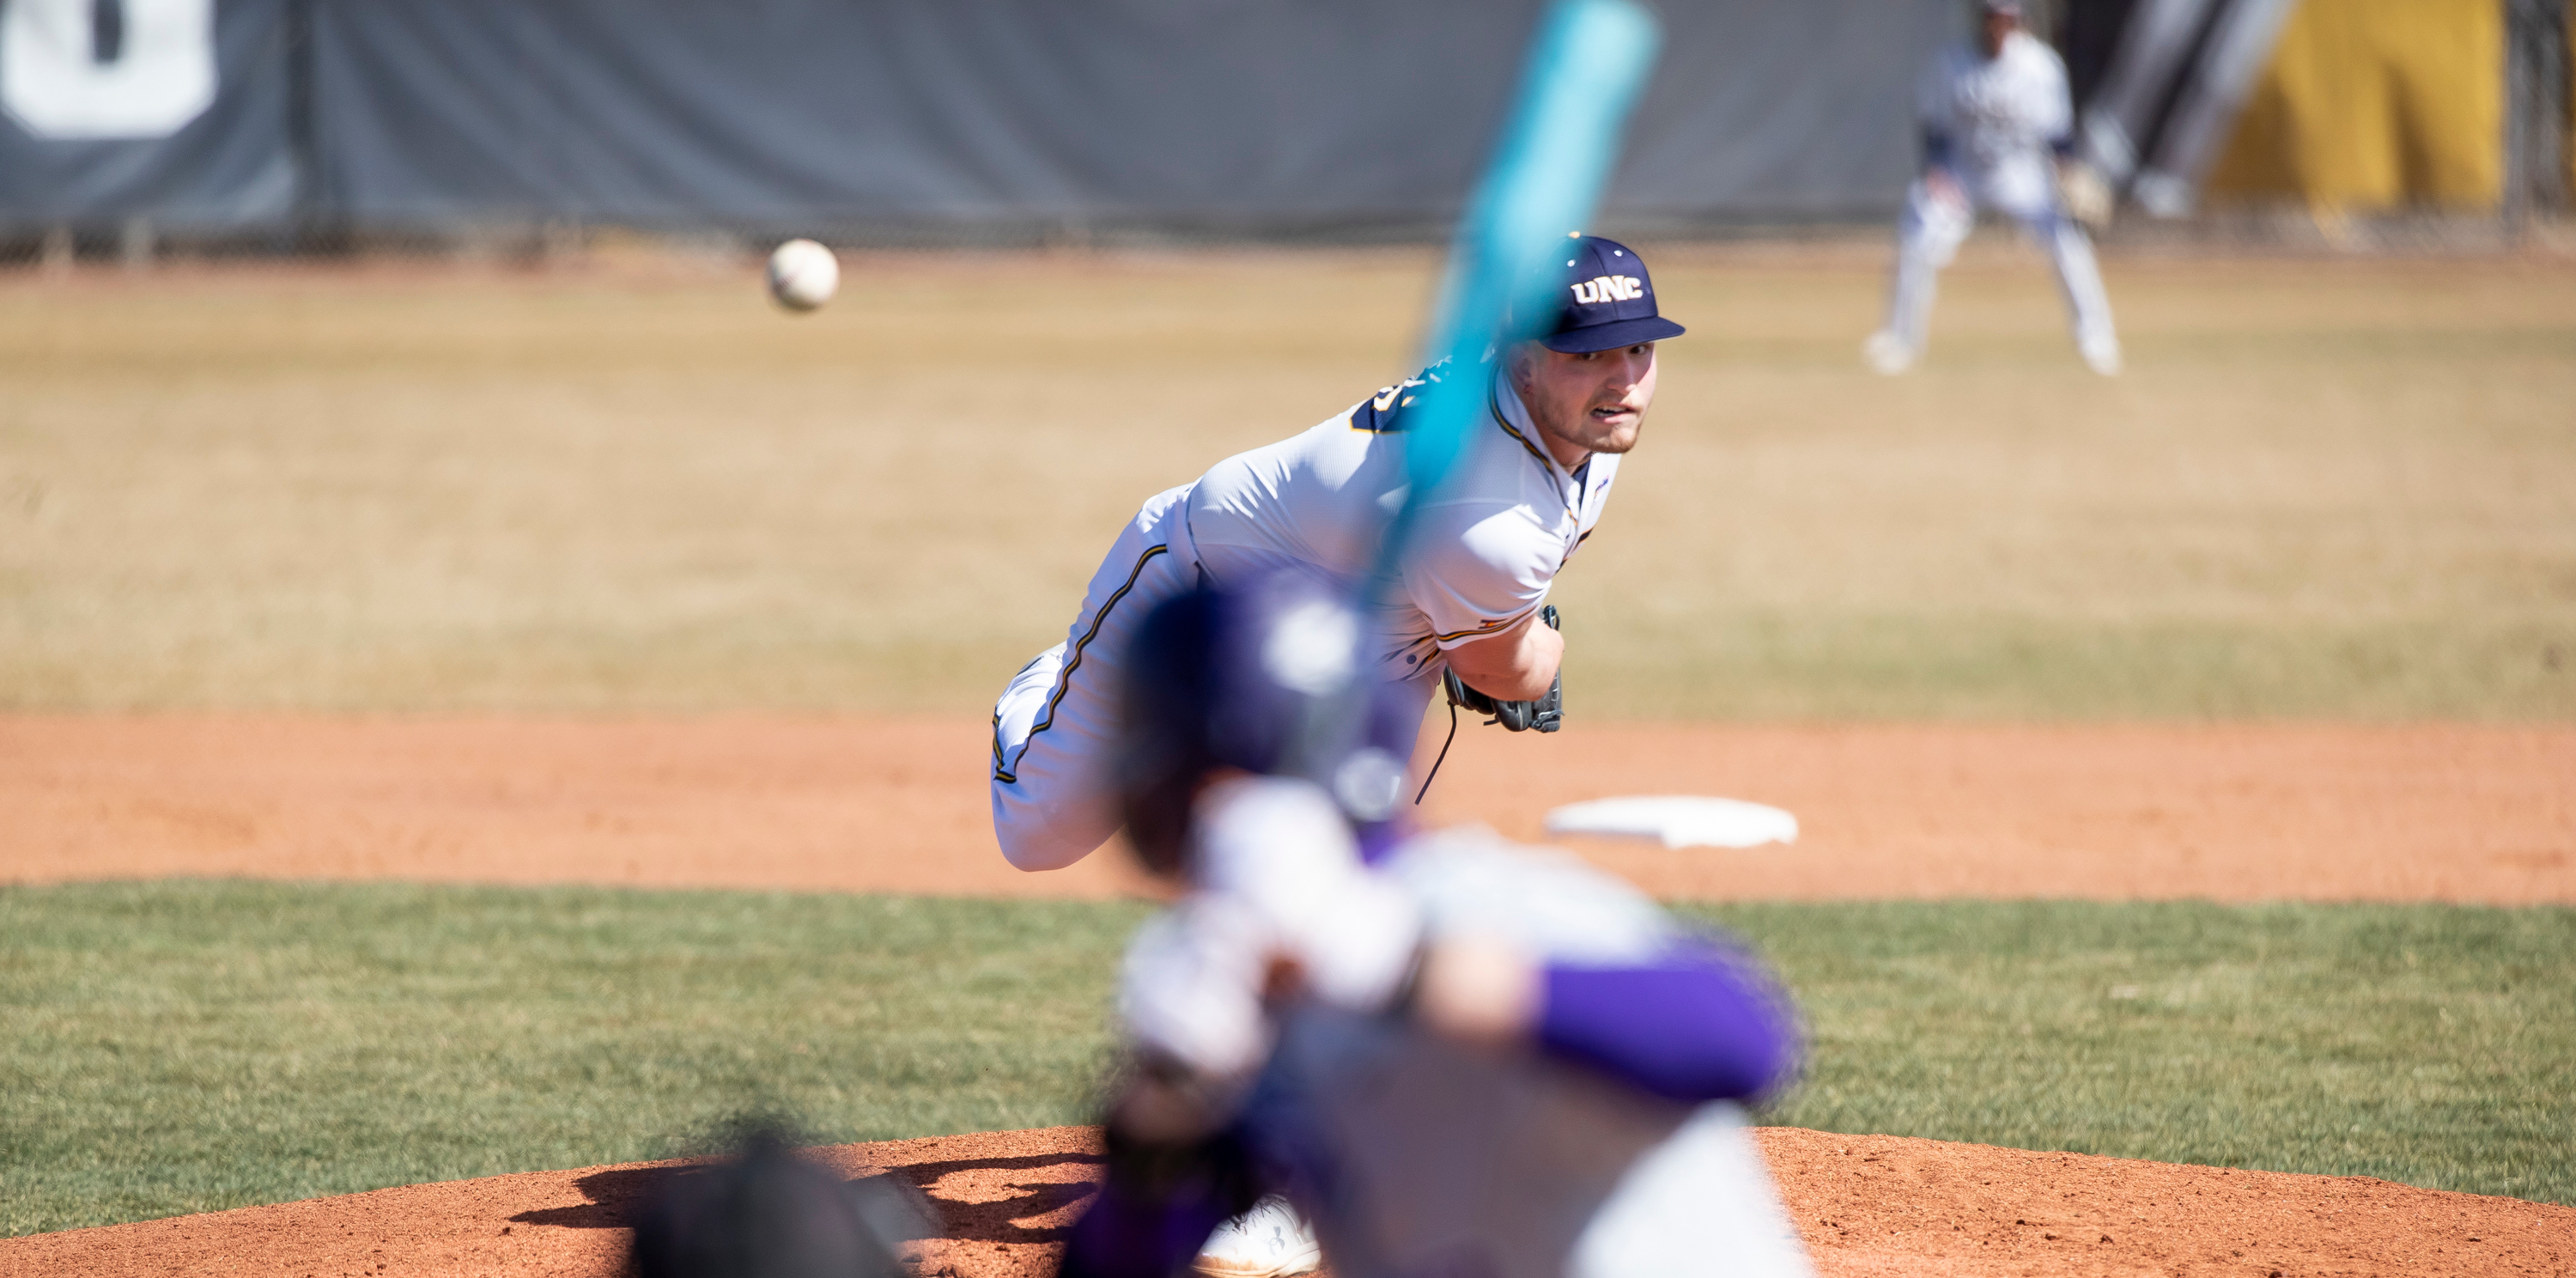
{"x":1050,"y":808}
{"x":1052,"y":724}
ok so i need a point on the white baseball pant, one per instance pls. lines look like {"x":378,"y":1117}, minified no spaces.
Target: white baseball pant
{"x":1930,"y":230}
{"x":1052,"y":725}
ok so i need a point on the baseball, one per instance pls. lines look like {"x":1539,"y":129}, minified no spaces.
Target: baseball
{"x":802,"y":275}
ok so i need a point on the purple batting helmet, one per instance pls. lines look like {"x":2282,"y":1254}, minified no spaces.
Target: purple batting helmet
{"x":1271,"y":677}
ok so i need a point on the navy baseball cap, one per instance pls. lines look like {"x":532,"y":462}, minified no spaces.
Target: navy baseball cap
{"x":1608,"y":300}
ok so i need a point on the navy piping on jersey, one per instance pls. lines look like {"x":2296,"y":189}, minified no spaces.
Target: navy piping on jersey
{"x":1064,"y":677}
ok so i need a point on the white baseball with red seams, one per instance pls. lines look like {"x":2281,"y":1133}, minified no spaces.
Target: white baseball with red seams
{"x":803,"y":275}
{"x":1485,"y":553}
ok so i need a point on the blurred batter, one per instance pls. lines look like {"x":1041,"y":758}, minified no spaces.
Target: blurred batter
{"x":1457,"y":1058}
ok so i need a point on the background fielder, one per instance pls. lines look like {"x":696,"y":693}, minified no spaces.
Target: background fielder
{"x":1532,"y":482}
{"x":1995,"y":114}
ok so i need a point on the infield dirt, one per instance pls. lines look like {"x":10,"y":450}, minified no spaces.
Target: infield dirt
{"x":1864,"y":1204}
{"x":2231,"y":813}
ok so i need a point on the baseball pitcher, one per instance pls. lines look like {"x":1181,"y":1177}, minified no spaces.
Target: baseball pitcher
{"x":1453,"y":1056}
{"x":1529,"y":488}
{"x":1995,"y":119}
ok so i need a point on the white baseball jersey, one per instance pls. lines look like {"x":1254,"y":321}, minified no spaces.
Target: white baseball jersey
{"x":1483,"y":557}
{"x":2000,"y":115}
{"x":1484,"y":553}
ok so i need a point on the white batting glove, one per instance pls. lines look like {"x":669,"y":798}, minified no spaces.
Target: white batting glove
{"x":1190,"y":988}
{"x":1282,"y":849}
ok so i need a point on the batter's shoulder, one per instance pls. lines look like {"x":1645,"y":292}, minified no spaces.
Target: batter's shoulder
{"x":1470,"y":879}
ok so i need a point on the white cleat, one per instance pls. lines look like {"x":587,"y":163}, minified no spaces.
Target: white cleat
{"x":2102,"y":355}
{"x":1887,"y":353}
{"x":1269,"y":1241}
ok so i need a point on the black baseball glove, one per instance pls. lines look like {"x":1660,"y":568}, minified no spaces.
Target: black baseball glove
{"x":1546,"y":714}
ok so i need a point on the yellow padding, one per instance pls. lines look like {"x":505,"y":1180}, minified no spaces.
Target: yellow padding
{"x":2374,"y":103}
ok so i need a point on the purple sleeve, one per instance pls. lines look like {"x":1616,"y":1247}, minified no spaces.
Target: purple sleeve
{"x":1697,"y":1025}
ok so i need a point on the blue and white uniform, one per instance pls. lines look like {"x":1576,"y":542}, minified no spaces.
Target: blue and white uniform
{"x":1484,"y":556}
{"x":1994,"y":125}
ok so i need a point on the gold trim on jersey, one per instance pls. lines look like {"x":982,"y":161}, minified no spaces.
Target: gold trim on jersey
{"x":1484,"y":627}
{"x":1494,"y":403}
{"x":1064,"y":677}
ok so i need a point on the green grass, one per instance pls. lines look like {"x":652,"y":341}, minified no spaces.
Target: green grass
{"x":176,"y":1047}
{"x":2430,"y":1044}
{"x":188,"y":1046}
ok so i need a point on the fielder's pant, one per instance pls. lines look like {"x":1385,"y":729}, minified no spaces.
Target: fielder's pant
{"x":1051,"y":728}
{"x":1928,"y":235}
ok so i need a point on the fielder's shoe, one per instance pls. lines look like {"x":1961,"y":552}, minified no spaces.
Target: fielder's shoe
{"x":1269,"y":1241}
{"x":2102,"y":355}
{"x":1887,"y":353}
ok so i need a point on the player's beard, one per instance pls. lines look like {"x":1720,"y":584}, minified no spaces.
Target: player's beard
{"x":1613,"y":440}
{"x":1621,"y":440}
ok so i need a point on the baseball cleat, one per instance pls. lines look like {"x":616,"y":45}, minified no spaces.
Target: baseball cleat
{"x":1887,"y":353}
{"x":1269,"y":1241}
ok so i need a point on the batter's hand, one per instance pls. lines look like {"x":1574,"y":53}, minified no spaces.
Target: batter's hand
{"x":1280,"y":851}
{"x":1190,"y":991}
{"x":1478,"y":990}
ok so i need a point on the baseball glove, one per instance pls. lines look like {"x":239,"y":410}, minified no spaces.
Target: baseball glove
{"x":1546,"y":714}
{"x":2087,"y":198}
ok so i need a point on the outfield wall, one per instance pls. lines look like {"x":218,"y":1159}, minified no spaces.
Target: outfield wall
{"x":799,"y":114}
{"x":949,"y":120}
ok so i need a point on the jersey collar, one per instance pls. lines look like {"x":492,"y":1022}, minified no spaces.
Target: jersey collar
{"x":1513,"y":416}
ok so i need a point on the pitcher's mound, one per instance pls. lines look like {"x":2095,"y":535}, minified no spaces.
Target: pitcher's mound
{"x":1866,"y":1204}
